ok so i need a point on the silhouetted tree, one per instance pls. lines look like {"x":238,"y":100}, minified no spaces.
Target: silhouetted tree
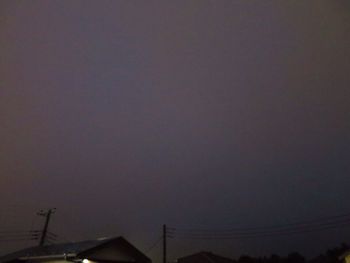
{"x":295,"y":257}
{"x":275,"y":259}
{"x":246,"y":259}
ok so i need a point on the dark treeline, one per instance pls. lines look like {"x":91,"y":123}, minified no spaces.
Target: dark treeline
{"x":330,"y":256}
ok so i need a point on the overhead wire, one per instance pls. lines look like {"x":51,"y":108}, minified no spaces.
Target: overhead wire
{"x":4,"y":235}
{"x":17,"y":239}
{"x":276,"y":230}
{"x":154,"y":244}
{"x":298,"y":223}
{"x":306,"y":226}
{"x":18,"y":232}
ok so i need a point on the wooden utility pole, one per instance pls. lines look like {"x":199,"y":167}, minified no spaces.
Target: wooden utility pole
{"x":164,"y":243}
{"x":47,"y":214}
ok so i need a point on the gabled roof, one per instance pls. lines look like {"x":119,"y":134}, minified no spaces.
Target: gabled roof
{"x":205,"y":257}
{"x":73,"y":250}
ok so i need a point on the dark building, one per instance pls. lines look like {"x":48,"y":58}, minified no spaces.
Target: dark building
{"x":107,"y":250}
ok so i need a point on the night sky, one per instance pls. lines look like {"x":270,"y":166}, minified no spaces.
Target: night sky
{"x":125,"y":115}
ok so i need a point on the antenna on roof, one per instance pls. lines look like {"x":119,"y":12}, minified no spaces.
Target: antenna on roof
{"x":46,"y":214}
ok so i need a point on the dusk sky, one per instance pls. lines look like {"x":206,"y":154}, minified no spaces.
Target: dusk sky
{"x":126,"y":115}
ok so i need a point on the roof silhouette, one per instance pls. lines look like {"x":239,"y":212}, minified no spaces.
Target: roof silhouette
{"x":71,"y":250}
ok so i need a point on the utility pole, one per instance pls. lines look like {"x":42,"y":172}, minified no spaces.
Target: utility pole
{"x":46,"y":214}
{"x":164,"y":243}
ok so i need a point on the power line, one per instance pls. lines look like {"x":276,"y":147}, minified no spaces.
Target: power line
{"x":7,"y":235}
{"x":154,"y":244}
{"x":18,"y":239}
{"x":21,"y":237}
{"x":264,"y":231}
{"x":14,"y":237}
{"x":210,"y":237}
{"x":18,"y":232}
{"x":51,"y":233}
{"x":289,"y":225}
{"x":24,"y":235}
{"x":256,"y":232}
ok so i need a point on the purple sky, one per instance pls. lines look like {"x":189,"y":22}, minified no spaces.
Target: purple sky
{"x":129,"y":114}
